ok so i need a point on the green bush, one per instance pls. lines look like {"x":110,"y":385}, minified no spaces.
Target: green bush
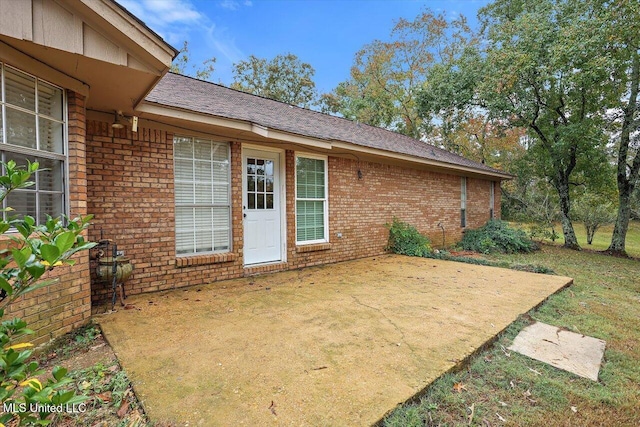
{"x":497,"y":236}
{"x":405,"y":239}
{"x":33,"y":250}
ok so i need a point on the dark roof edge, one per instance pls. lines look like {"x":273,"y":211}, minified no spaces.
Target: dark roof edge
{"x":139,"y":21}
{"x":362,"y":148}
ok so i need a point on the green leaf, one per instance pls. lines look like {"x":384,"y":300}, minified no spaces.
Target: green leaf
{"x":61,"y":398}
{"x":25,"y":231}
{"x":65,"y":241}
{"x":59,"y":372}
{"x":36,"y":270}
{"x":21,"y":256}
{"x":4,"y":226}
{"x":50,"y":253}
{"x":6,"y":286}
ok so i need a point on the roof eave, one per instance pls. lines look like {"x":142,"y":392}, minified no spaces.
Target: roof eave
{"x":161,"y":110}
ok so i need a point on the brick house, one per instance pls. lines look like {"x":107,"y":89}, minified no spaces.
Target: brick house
{"x":211,"y":183}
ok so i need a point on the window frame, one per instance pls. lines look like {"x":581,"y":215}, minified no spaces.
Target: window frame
{"x":213,"y":204}
{"x":492,"y":199}
{"x":37,"y":153}
{"x":325,"y":200}
{"x":463,"y":201}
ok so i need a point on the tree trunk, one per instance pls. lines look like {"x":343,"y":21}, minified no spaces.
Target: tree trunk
{"x":570,"y":240}
{"x":590,"y":233}
{"x":626,"y":183}
{"x":619,"y":237}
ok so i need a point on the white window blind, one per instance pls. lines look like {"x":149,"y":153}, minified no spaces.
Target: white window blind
{"x":492,"y":189}
{"x":202,"y":195}
{"x":33,"y":128}
{"x":311,"y":199}
{"x":463,"y":202}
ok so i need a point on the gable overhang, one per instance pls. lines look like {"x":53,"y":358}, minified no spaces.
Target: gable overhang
{"x":254,"y":132}
{"x":94,"y":42}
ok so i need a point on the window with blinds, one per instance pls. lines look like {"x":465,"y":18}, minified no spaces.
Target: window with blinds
{"x":492,"y":190}
{"x":463,"y":202}
{"x":202,"y":196}
{"x":311,"y":199}
{"x":33,"y":128}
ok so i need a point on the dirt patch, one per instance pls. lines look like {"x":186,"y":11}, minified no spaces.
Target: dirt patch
{"x":339,"y":344}
{"x":97,"y":374}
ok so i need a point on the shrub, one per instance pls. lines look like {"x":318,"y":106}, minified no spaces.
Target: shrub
{"x":33,"y":250}
{"x":497,"y":236}
{"x":405,"y":239}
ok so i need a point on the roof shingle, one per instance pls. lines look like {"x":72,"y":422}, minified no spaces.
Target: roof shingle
{"x":195,"y":95}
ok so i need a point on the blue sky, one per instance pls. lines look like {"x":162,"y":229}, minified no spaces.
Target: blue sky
{"x":324,"y":33}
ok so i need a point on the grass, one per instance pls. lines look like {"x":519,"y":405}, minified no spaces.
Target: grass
{"x":602,"y":238}
{"x":504,"y":388}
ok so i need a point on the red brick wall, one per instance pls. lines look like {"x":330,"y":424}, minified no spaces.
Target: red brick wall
{"x":131,"y":195}
{"x":130,"y":191}
{"x":66,"y":305}
{"x":360,"y":208}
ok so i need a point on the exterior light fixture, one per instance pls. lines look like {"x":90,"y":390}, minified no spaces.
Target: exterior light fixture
{"x":121,"y":118}
{"x":117,"y":124}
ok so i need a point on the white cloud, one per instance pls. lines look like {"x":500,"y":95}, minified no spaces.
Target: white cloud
{"x":222,"y":42}
{"x":179,"y":20}
{"x":234,"y":4}
{"x":229,"y":4}
{"x":160,"y":14}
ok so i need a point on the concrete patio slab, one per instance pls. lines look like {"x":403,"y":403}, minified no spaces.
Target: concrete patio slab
{"x":334,"y":345}
{"x":576,"y":353}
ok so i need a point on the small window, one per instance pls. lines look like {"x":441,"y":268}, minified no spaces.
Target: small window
{"x":463,"y":202}
{"x":33,"y":127}
{"x":492,"y":186}
{"x":311,"y":199}
{"x":202,"y":196}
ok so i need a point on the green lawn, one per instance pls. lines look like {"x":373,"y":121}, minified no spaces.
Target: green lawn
{"x":602,"y":238}
{"x":504,"y":388}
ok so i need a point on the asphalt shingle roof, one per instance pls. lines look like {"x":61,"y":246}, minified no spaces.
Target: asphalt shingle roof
{"x":187,"y":93}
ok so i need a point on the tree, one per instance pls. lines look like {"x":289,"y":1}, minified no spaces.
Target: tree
{"x":180,"y":63}
{"x":478,"y":137}
{"x":538,"y":69}
{"x":386,"y":75}
{"x":620,"y":39}
{"x":284,"y":78}
{"x":33,"y":250}
{"x":594,"y":212}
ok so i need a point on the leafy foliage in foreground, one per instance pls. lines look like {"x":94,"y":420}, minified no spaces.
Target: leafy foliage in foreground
{"x":32,"y":251}
{"x":497,"y":236}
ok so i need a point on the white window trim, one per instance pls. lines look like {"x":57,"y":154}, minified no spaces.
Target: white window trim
{"x":325,"y":200}
{"x":223,"y":251}
{"x":36,"y":152}
{"x":463,"y":202}
{"x":492,"y":199}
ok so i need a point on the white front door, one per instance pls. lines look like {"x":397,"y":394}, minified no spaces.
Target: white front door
{"x":261,"y":206}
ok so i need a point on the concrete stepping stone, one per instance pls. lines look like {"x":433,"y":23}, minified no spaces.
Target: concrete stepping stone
{"x":576,"y":353}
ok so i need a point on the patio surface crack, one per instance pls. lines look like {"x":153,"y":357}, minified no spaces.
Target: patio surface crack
{"x":396,"y":327}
